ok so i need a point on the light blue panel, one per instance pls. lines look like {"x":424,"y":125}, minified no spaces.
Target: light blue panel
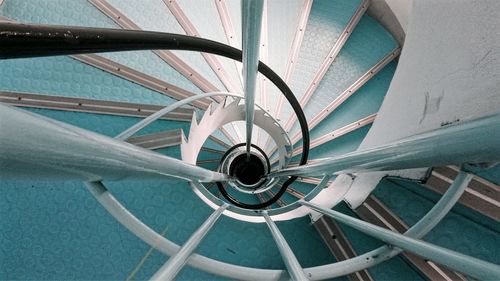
{"x":64,"y":76}
{"x":368,"y":44}
{"x":154,"y":15}
{"x":364,"y":102}
{"x":456,"y":232}
{"x":283,"y":19}
{"x":63,"y":12}
{"x":234,"y":10}
{"x":198,"y":12}
{"x":393,"y":269}
{"x":149,"y":63}
{"x":327,"y":20}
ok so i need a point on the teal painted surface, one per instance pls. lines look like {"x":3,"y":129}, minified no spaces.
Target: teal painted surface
{"x":63,"y":76}
{"x":457,"y":231}
{"x":364,"y":102}
{"x":326,"y":22}
{"x":55,"y":230}
{"x":393,"y":269}
{"x":491,"y":174}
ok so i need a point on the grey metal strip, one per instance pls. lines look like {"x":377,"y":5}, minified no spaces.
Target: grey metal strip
{"x":480,"y":195}
{"x":91,"y":106}
{"x":212,"y":61}
{"x":295,"y":193}
{"x":330,"y":58}
{"x":168,"y":56}
{"x":339,"y":245}
{"x":140,"y":78}
{"x":158,"y":140}
{"x":374,"y":211}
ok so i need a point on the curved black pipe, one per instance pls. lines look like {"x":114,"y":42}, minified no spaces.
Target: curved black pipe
{"x":23,"y":41}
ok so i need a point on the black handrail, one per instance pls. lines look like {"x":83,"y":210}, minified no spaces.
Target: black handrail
{"x":25,"y":40}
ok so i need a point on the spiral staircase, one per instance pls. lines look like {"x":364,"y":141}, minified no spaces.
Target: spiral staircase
{"x":137,"y":164}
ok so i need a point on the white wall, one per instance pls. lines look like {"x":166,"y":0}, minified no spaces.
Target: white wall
{"x":449,"y":70}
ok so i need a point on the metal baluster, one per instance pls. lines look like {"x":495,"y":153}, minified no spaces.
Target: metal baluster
{"x":251,"y":11}
{"x":175,"y":263}
{"x":292,"y":264}
{"x":469,"y":265}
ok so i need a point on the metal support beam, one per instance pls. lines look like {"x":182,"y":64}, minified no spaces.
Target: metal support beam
{"x":292,"y":264}
{"x":158,"y":140}
{"x":474,"y":141}
{"x":469,"y":265}
{"x":251,"y":13}
{"x":175,"y":263}
{"x":91,"y":106}
{"x":374,"y":211}
{"x":33,"y":146}
{"x":338,"y":244}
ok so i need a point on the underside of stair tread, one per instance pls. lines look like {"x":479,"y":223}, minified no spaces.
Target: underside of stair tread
{"x":57,"y":230}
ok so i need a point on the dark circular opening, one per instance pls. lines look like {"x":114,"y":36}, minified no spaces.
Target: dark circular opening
{"x":248,"y":170}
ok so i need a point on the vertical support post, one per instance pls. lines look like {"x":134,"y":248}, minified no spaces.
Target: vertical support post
{"x":469,"y":265}
{"x":175,"y":263}
{"x":251,"y":11}
{"x":292,"y":264}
